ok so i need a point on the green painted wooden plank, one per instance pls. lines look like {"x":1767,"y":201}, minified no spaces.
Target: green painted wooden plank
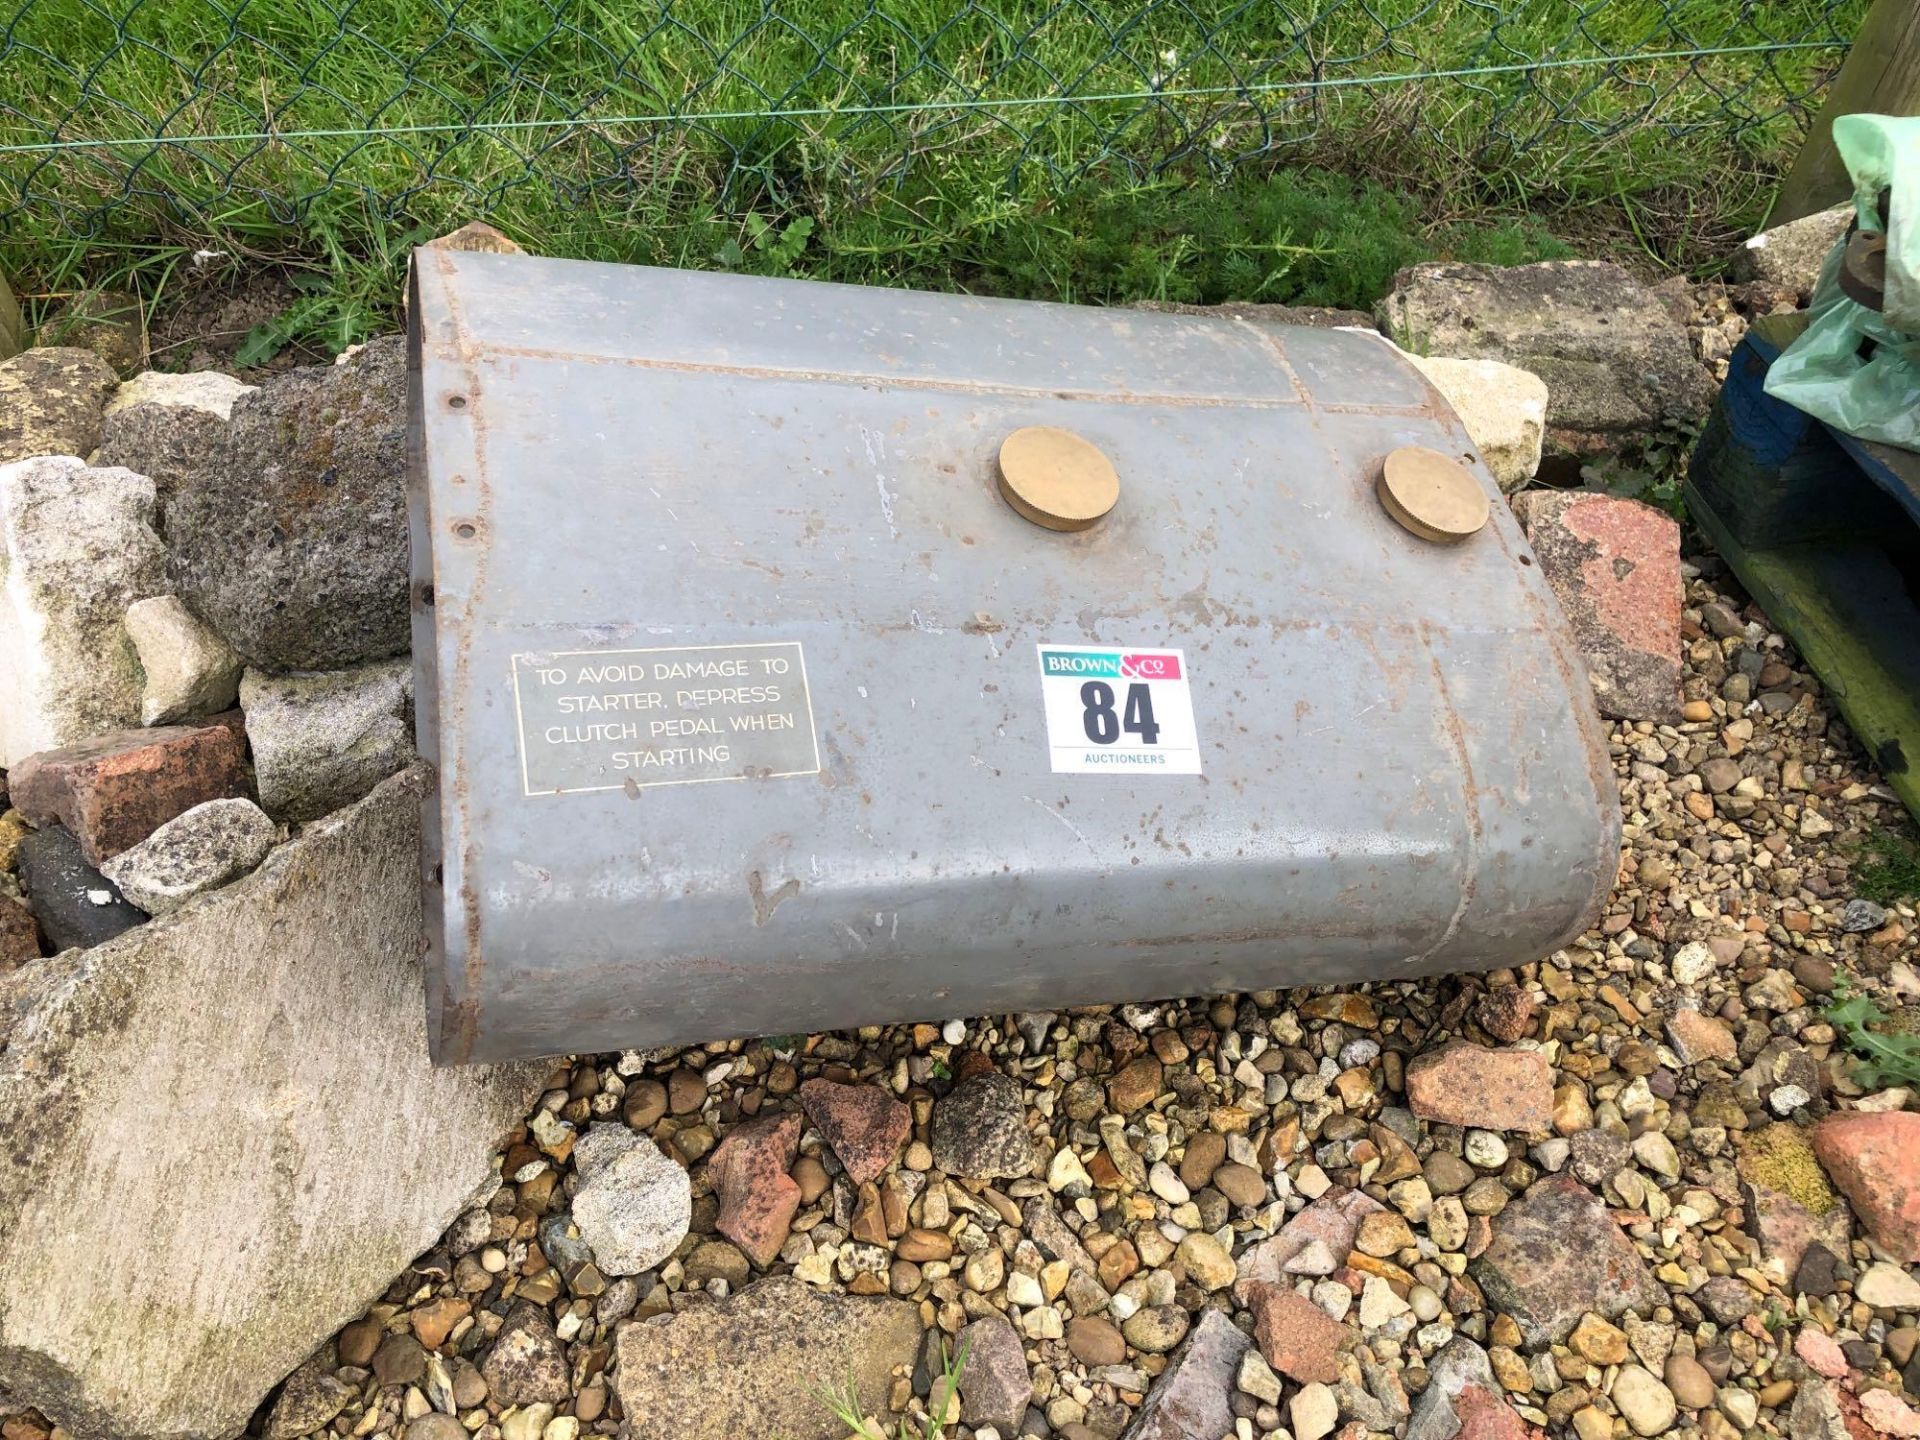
{"x":13,"y":329}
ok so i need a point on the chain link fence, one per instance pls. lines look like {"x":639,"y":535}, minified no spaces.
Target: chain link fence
{"x":130,"y":117}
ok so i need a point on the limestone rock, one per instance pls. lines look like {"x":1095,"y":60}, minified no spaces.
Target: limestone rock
{"x":290,"y":536}
{"x":1616,"y":362}
{"x":1314,"y":1411}
{"x":1790,"y":255}
{"x":75,"y":905}
{"x":755,"y":1363}
{"x":209,"y":391}
{"x":1191,"y":1399}
{"x":1555,"y":1255}
{"x":634,"y":1202}
{"x":50,"y":402}
{"x":271,"y":1036}
{"x":190,"y":671}
{"x":200,"y":850}
{"x":77,"y":547}
{"x":115,"y":790}
{"x":110,"y":323}
{"x":1502,"y":408}
{"x":1887,"y":1287}
{"x":1614,"y":566}
{"x":167,"y":432}
{"x":1645,"y":1403}
{"x":323,"y":741}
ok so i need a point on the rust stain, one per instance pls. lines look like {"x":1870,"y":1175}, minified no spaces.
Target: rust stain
{"x":946,"y":385}
{"x":764,"y":903}
{"x":461,"y":1028}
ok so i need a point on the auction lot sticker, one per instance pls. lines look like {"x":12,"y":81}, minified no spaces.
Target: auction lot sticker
{"x":1115,"y":709}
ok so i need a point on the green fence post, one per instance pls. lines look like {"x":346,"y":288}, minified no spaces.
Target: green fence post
{"x":13,"y":328}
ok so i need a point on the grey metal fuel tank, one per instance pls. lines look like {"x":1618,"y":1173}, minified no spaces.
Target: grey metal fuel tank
{"x":756,"y":708}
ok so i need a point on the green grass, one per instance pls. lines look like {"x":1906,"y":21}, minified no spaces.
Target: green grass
{"x":895,"y":174}
{"x":1888,"y":868}
{"x":943,"y":1404}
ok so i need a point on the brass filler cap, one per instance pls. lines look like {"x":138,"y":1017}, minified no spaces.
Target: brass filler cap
{"x":1433,"y":495}
{"x":1056,"y":479}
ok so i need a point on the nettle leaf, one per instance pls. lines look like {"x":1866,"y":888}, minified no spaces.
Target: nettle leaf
{"x":262,"y":343}
{"x":1884,"y":1057}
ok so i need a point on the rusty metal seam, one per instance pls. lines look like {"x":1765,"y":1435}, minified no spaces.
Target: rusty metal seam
{"x":454,"y":792}
{"x":1572,"y":670}
{"x":1470,"y":861}
{"x":938,"y":385}
{"x":1314,"y":410}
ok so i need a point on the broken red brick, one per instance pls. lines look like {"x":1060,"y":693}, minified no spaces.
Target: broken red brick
{"x":1874,"y":1159}
{"x":1298,"y":1338}
{"x":1615,"y":567}
{"x":115,"y":790}
{"x":863,"y":1123}
{"x":757,"y":1196}
{"x":1469,"y":1085}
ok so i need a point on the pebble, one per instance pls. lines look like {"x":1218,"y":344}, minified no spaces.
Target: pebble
{"x":1314,"y":1411}
{"x":1567,"y":1202}
{"x":1206,"y":1261}
{"x":1156,"y":1329}
{"x":1094,"y":1341}
{"x":1645,"y":1403}
{"x":1485,"y":1150}
{"x":1689,"y":1382}
{"x":1167,"y":1185}
{"x":1692,"y":963}
{"x":1887,"y":1287}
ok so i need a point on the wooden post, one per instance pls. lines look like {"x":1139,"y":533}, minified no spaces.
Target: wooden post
{"x":13,"y":330}
{"x":1881,"y":76}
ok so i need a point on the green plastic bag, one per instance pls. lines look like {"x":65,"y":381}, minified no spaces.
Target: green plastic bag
{"x":1823,"y":373}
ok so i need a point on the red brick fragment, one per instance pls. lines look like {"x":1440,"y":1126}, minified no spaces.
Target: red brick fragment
{"x":863,"y":1123}
{"x":1297,"y":1337}
{"x":1470,"y":1085}
{"x":115,"y":790}
{"x":1614,"y":565}
{"x":757,"y":1196}
{"x":1875,"y":1162}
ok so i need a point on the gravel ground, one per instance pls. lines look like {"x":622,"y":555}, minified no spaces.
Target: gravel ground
{"x":1146,"y":1156}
